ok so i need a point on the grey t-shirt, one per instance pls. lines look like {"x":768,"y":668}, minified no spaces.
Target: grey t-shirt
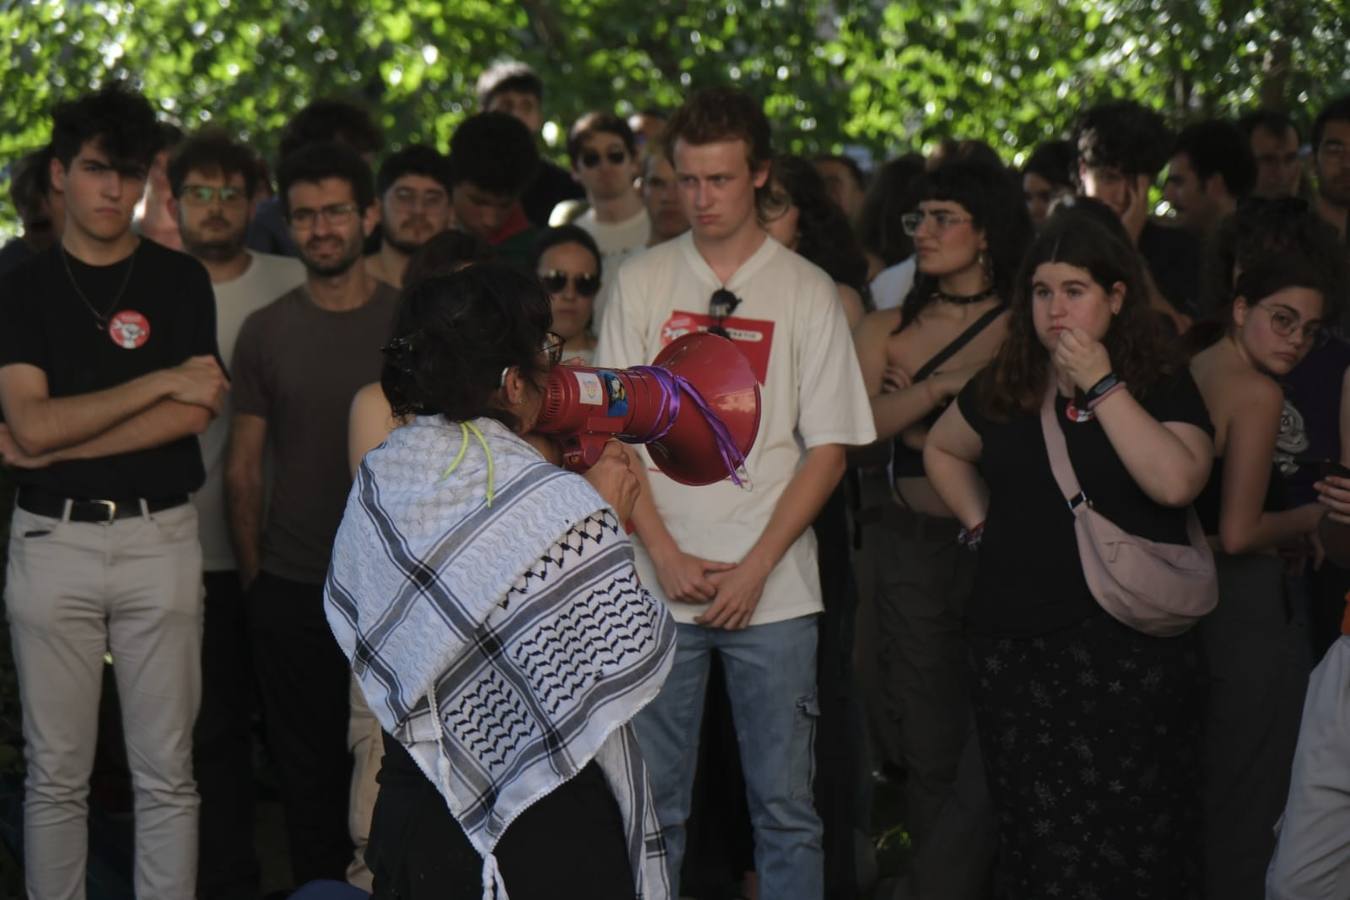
{"x":298,"y":366}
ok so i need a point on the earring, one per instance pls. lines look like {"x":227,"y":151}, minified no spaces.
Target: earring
{"x":986,"y":265}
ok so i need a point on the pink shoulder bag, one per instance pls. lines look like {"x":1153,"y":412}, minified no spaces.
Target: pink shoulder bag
{"x":1156,"y":588}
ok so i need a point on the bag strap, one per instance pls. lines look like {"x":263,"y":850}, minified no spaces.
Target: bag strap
{"x":958,"y":342}
{"x":1058,"y":450}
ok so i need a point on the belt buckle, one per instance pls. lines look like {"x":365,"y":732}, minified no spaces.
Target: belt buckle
{"x":111,"y":507}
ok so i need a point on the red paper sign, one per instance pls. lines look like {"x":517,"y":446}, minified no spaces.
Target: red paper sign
{"x":753,"y":337}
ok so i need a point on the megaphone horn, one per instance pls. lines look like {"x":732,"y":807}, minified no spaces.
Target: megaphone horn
{"x":696,"y":407}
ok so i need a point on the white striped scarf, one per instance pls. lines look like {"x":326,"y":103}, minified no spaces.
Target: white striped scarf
{"x":506,"y":645}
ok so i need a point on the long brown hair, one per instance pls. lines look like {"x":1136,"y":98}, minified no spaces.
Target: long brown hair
{"x":1142,"y":351}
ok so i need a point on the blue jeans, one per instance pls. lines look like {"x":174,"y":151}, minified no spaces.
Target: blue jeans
{"x":771,"y":683}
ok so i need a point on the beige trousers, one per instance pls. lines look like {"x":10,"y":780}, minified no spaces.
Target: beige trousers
{"x":75,"y":592}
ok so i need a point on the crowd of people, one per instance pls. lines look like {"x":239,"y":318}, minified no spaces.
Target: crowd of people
{"x":273,"y":450}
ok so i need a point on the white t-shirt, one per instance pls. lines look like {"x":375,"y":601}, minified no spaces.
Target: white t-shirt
{"x":791,"y":327}
{"x":892,"y":285}
{"x":617,"y":242}
{"x":266,"y":279}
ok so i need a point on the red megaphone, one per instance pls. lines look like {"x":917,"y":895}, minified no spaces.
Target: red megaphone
{"x":696,"y":407}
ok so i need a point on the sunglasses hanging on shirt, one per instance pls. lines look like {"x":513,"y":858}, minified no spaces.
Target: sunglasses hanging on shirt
{"x":722,"y":304}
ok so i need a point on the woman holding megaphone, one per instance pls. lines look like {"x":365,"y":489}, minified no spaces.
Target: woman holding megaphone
{"x":496,"y":626}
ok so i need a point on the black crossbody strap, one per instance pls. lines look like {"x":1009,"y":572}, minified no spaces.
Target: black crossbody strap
{"x":958,"y":342}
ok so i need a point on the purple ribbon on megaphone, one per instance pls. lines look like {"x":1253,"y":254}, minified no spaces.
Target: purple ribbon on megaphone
{"x":672,"y":387}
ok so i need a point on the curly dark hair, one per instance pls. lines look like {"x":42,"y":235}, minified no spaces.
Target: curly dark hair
{"x":120,"y":121}
{"x":1263,"y":229}
{"x":212,"y":152}
{"x":317,"y":162}
{"x":455,"y":333}
{"x":993,"y":197}
{"x":888,"y":198}
{"x":825,"y":236}
{"x":1142,"y":351}
{"x":1122,"y":135}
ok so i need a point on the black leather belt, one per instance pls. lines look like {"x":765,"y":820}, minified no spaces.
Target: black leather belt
{"x":44,"y":503}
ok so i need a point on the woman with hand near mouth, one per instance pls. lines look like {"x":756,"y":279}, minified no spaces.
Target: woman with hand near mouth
{"x":1255,"y":647}
{"x":1087,"y":726}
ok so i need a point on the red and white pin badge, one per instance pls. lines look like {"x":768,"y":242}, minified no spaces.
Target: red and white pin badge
{"x":129,"y":329}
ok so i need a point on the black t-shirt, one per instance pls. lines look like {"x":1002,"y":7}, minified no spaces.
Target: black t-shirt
{"x":1029,"y":577}
{"x":166,"y":314}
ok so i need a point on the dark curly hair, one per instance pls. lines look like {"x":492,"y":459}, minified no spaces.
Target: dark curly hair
{"x":825,"y":236}
{"x":1122,"y":135}
{"x":317,"y":162}
{"x":1266,"y":229}
{"x":1141,"y":350}
{"x":454,"y":334}
{"x":120,"y":121}
{"x":993,"y":197}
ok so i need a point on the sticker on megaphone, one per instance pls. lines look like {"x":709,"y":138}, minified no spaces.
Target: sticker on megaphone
{"x":696,"y":408}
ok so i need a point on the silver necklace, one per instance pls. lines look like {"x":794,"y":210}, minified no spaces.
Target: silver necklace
{"x":100,"y":318}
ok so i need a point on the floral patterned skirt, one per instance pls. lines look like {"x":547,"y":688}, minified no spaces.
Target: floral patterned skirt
{"x":1090,"y":739}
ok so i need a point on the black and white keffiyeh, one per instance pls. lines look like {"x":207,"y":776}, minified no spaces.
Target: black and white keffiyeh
{"x":498,"y":630}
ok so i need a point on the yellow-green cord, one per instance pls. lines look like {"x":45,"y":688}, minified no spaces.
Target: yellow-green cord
{"x":464,"y":429}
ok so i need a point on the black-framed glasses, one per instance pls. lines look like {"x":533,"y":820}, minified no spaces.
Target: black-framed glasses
{"x":911,"y":222}
{"x":722,"y":304}
{"x":205,"y":195}
{"x":333,"y":214}
{"x":1285,"y":323}
{"x":591,"y":158}
{"x":555,"y":282}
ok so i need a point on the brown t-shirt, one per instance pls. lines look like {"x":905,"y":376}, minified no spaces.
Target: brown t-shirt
{"x":298,"y":366}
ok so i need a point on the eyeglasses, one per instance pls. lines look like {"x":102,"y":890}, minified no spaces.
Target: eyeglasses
{"x":408,"y":198}
{"x":911,"y":222}
{"x":202,"y":195}
{"x":333,"y":214}
{"x":551,"y":347}
{"x":774,"y":204}
{"x":555,"y":282}
{"x":591,"y":158}
{"x":1284,"y":323}
{"x":722,"y":304}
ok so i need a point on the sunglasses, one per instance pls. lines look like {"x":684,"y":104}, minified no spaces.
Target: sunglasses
{"x":722,"y":304}
{"x":555,"y":282}
{"x":591,"y":158}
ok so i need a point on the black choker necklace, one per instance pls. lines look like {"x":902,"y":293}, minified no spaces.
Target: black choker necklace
{"x":963,"y":300}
